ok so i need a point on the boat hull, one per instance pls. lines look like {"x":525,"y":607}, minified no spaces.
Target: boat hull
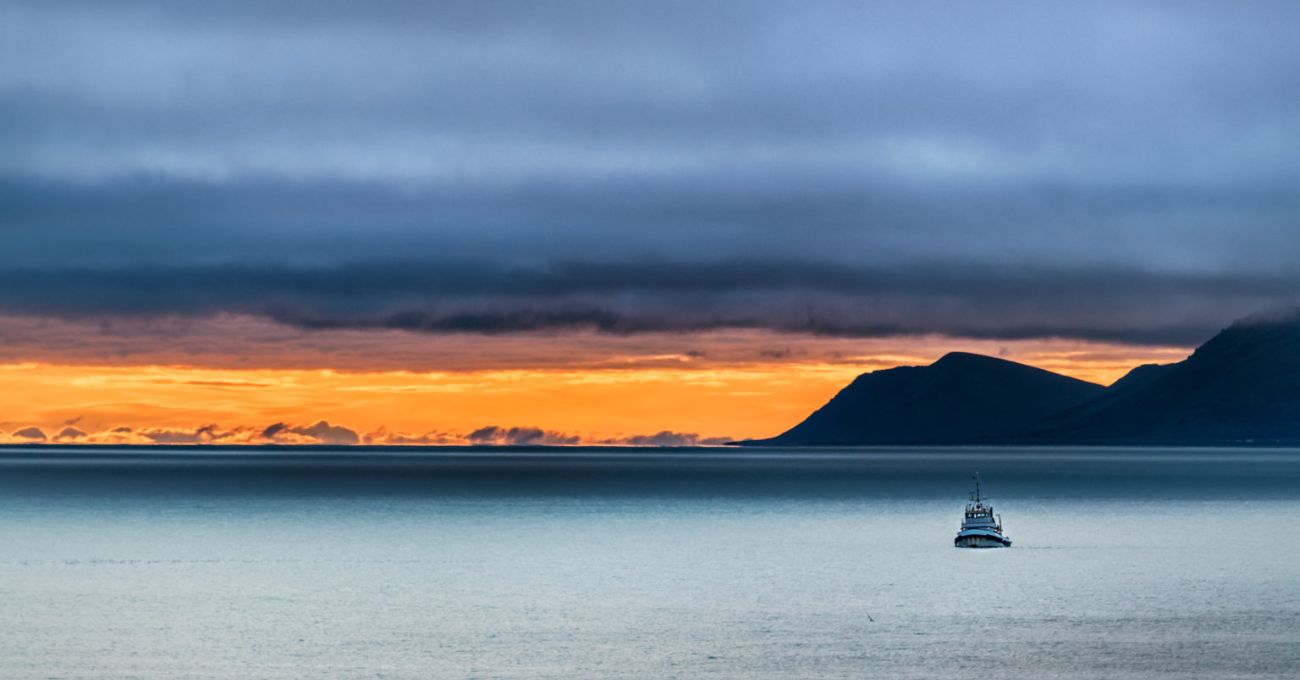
{"x":981,"y":539}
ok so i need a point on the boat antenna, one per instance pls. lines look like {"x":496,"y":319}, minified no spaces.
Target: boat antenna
{"x":977,"y":485}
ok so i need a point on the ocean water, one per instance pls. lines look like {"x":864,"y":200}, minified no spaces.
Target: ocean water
{"x":647,"y":564}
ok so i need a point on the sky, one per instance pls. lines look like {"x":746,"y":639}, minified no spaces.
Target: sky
{"x":666,"y":222}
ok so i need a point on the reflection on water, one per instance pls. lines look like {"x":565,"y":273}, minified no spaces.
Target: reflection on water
{"x":588,"y":563}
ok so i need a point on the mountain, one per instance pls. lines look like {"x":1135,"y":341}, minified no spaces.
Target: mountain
{"x":960,"y":398}
{"x":1132,"y":381}
{"x":1241,"y":387}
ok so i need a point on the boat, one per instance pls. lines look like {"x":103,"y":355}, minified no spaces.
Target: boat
{"x":980,"y":528}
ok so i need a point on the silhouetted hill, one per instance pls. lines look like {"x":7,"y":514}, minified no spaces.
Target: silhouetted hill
{"x":1132,"y":381}
{"x":1243,"y":386}
{"x":958,"y":399}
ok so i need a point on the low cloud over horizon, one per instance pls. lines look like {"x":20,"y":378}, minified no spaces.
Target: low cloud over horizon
{"x":324,"y":433}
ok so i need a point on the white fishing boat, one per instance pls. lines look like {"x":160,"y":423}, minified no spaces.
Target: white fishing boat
{"x":980,"y":528}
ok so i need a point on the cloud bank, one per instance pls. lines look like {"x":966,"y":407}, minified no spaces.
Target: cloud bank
{"x":1012,"y":302}
{"x":323,"y":433}
{"x":1120,"y":171}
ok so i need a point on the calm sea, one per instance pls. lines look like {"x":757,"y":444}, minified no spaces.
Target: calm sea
{"x":647,"y":564}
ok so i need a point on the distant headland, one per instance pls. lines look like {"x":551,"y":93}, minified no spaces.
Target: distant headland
{"x":1242,"y":387}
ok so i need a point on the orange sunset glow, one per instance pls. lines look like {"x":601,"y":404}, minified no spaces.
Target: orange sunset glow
{"x":705,"y":388}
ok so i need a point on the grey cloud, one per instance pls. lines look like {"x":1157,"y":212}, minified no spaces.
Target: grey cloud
{"x":32,"y":433}
{"x":273,"y":429}
{"x":1107,"y":170}
{"x":321,"y":432}
{"x":519,"y":436}
{"x":69,"y":433}
{"x":384,"y":436}
{"x":667,"y":438}
{"x":204,"y":434}
{"x":957,"y":299}
{"x":807,"y":214}
{"x":166,"y":436}
{"x":425,"y":93}
{"x":328,"y":434}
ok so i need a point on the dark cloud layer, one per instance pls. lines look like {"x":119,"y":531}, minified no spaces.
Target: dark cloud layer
{"x":822,"y":298}
{"x":1106,"y":170}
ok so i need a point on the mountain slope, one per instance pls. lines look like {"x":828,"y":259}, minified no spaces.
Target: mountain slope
{"x":1132,"y":381}
{"x":1243,"y":386}
{"x":961,"y":398}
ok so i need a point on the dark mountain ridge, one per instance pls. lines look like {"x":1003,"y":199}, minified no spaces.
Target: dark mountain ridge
{"x":959,"y":398}
{"x":1241,"y":387}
